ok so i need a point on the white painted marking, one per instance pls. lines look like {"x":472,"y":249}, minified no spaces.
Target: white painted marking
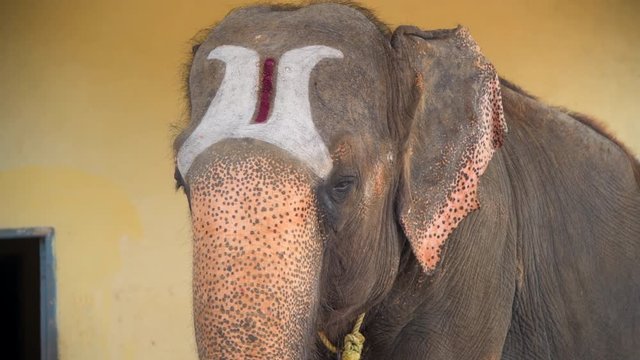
{"x":233,"y":104}
{"x":290,"y":125}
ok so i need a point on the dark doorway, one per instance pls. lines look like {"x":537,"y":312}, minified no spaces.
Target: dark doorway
{"x":27,"y":295}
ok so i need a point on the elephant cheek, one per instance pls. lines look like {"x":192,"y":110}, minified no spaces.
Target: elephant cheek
{"x":257,"y":255}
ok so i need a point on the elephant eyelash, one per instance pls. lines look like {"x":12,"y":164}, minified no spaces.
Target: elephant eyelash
{"x":343,"y":186}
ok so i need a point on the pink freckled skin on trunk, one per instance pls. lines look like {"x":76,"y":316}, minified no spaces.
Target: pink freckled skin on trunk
{"x":257,"y":258}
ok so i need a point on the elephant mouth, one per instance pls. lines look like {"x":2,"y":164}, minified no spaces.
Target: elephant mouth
{"x":257,"y":257}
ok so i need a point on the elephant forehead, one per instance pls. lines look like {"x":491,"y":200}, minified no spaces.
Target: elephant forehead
{"x":294,"y":81}
{"x":242,"y":105}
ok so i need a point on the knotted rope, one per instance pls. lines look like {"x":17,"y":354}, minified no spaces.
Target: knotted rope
{"x":352,"y":344}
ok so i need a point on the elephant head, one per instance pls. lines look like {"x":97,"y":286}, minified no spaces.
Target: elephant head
{"x":323,"y":153}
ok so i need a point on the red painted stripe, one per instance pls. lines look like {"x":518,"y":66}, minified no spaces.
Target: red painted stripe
{"x":266,"y":90}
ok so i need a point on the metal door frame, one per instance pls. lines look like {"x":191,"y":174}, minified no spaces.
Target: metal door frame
{"x":48,"y":327}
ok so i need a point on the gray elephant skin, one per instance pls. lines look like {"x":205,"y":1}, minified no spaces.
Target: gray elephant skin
{"x":334,"y":167}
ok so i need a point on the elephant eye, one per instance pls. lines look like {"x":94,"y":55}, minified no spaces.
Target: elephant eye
{"x":342,"y":188}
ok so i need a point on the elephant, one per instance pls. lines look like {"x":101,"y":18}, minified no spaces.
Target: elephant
{"x":335,"y":167}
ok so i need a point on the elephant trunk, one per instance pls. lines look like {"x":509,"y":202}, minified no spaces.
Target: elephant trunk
{"x":257,"y":255}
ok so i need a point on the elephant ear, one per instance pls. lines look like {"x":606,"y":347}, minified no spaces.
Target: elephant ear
{"x":456,"y":125}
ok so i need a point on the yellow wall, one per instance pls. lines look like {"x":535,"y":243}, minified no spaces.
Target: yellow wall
{"x":88,"y":91}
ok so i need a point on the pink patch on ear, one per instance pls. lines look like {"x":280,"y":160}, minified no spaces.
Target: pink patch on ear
{"x":462,"y":198}
{"x":266,"y":90}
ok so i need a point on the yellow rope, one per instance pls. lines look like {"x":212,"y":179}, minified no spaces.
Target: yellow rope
{"x":327,"y":343}
{"x":353,"y":342}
